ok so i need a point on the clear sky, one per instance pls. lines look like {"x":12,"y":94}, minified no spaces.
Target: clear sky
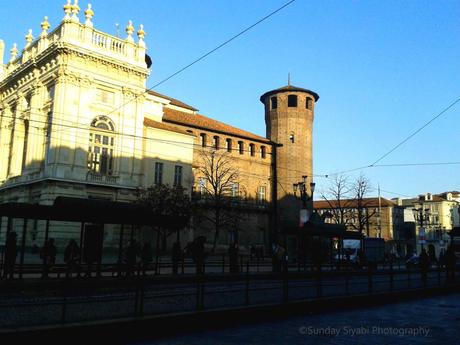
{"x":382,"y":69}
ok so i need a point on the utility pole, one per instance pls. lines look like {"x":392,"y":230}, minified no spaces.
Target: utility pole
{"x":379,"y":220}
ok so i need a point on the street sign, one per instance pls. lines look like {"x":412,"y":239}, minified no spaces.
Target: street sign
{"x":304,"y":217}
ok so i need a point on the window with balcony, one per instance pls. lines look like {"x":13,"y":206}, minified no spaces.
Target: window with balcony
{"x":101,"y":146}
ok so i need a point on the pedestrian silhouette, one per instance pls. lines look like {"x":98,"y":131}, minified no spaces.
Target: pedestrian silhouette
{"x":48,"y":255}
{"x":424,"y":265}
{"x":10,"y":255}
{"x":146,"y":256}
{"x":71,"y":257}
{"x":176,"y":254}
{"x":198,"y":254}
{"x":233,"y":257}
{"x":131,"y":258}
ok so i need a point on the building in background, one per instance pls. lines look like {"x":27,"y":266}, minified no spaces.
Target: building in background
{"x":373,"y":217}
{"x":433,"y":216}
{"x":77,"y":120}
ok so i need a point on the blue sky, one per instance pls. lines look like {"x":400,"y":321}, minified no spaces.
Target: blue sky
{"x":382,"y":69}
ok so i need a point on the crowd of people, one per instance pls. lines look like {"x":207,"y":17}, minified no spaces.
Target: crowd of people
{"x":137,"y":258}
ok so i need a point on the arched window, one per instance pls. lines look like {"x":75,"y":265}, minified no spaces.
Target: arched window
{"x":263,"y":152}
{"x":274,"y":101}
{"x":292,"y":101}
{"x":101,"y":146}
{"x":216,"y":142}
{"x":229,"y":145}
{"x":203,"y":139}
{"x":252,"y":150}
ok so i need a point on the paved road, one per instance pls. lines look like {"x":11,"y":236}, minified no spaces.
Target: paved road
{"x":28,"y":308}
{"x":426,"y":321}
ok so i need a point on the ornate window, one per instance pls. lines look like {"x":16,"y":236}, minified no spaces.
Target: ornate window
{"x":101,"y":146}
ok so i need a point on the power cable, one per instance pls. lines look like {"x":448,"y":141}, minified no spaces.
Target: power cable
{"x":208,"y":53}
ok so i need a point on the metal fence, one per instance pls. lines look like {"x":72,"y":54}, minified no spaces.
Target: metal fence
{"x":85,"y":300}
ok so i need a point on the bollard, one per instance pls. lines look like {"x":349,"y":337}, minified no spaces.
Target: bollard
{"x":408,"y":279}
{"x":391,"y":276}
{"x":369,"y":277}
{"x":64,"y":303}
{"x":223,"y":263}
{"x":285,"y":282}
{"x":347,"y":282}
{"x":247,"y":283}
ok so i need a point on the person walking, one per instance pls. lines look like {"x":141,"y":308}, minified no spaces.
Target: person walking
{"x":146,"y":257}
{"x":233,"y":257}
{"x":131,"y":258}
{"x":71,"y":257}
{"x":48,"y":255}
{"x":10,"y":255}
{"x":176,"y":254}
{"x":424,"y":265}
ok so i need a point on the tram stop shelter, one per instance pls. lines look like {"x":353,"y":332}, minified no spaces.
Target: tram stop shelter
{"x":92,"y":214}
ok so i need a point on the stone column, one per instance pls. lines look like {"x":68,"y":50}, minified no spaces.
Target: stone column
{"x":6,"y":126}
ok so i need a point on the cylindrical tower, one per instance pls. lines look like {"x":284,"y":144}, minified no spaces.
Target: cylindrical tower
{"x":289,"y":113}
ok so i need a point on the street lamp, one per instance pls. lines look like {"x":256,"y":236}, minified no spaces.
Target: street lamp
{"x":421,"y":215}
{"x":307,"y":209}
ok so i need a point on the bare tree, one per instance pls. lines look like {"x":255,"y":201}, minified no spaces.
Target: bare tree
{"x":363,"y":211}
{"x":220,"y":178}
{"x":168,"y":201}
{"x":337,"y":197}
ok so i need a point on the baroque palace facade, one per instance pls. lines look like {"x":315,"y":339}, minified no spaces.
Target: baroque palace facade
{"x":77,"y":120}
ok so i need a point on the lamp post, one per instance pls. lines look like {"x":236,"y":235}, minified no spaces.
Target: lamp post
{"x":307,"y":200}
{"x":421,"y":215}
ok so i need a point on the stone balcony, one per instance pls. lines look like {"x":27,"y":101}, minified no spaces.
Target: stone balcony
{"x":83,"y":37}
{"x":100,"y":178}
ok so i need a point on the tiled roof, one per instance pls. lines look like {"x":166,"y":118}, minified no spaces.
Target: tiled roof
{"x":206,"y":123}
{"x":165,"y":126}
{"x":352,"y":203}
{"x":173,"y":101}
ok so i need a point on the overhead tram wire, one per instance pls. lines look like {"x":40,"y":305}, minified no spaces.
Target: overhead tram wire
{"x":417,"y":131}
{"x":374,"y":164}
{"x":183,"y":69}
{"x":205,"y":55}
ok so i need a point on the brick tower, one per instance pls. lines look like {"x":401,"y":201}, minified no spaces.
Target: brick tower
{"x":289,"y":113}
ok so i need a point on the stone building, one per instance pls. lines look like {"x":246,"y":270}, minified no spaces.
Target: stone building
{"x":436,"y":214}
{"x":77,"y":120}
{"x":377,"y":215}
